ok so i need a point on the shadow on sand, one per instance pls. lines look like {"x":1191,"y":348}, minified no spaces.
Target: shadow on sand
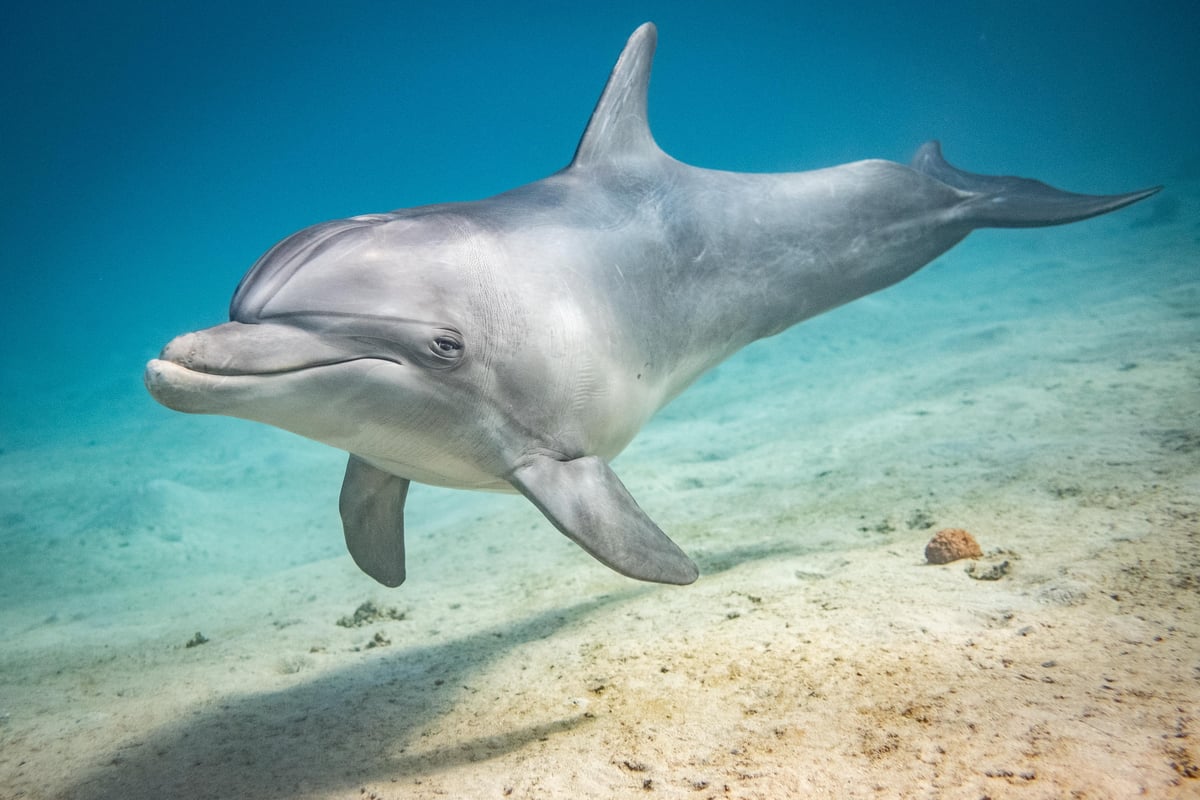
{"x":343,"y":730}
{"x":356,"y":726}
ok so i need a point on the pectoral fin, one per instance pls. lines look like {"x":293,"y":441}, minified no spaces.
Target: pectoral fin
{"x":372,"y":507}
{"x":586,"y":501}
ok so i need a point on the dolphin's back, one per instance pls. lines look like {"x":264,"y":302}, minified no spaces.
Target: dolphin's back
{"x":761,"y":252}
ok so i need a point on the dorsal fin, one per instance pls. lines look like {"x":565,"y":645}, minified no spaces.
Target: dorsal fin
{"x":619,"y":129}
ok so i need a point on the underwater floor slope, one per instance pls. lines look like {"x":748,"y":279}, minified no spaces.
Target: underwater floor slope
{"x":1042,"y":393}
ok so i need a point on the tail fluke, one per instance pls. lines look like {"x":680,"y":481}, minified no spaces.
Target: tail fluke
{"x":1008,"y":202}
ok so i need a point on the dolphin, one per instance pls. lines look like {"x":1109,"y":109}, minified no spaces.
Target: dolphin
{"x":518,"y":343}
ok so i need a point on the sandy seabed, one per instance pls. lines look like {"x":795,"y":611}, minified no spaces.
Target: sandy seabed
{"x":1039,"y":389}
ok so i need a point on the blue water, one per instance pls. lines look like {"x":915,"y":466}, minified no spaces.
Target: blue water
{"x":153,"y":151}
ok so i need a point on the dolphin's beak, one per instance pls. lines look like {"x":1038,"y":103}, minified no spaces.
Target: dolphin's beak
{"x":217,"y":370}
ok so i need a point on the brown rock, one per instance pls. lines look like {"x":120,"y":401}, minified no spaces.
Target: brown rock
{"x":951,"y":544}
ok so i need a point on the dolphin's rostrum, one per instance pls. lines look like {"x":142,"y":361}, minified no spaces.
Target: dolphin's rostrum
{"x":520,"y":342}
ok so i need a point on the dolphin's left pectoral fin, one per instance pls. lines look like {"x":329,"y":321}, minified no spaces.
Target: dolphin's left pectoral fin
{"x":587,"y":501}
{"x":372,"y":507}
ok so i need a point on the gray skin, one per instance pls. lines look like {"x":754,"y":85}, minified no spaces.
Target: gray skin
{"x":519,"y":343}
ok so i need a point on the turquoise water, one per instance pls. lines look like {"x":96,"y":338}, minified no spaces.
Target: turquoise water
{"x":154,"y":151}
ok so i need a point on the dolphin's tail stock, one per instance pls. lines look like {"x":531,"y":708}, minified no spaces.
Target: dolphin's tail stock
{"x":1008,"y":202}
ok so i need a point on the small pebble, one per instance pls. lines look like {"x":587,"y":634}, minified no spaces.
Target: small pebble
{"x":989,"y":572}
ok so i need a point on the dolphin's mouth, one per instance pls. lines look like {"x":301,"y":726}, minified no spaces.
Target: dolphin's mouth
{"x":220,"y":369}
{"x":285,"y":399}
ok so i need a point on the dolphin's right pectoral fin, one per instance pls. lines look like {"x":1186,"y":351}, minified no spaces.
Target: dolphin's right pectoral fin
{"x":372,"y":507}
{"x":586,"y":501}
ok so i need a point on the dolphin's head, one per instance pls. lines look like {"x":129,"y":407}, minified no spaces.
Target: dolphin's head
{"x":360,"y":333}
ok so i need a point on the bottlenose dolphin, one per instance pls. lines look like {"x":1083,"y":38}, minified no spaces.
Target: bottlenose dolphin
{"x":518,"y":343}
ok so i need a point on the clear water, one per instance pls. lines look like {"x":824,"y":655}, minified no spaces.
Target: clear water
{"x":153,"y":150}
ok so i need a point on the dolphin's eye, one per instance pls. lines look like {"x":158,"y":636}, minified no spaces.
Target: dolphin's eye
{"x":447,"y":347}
